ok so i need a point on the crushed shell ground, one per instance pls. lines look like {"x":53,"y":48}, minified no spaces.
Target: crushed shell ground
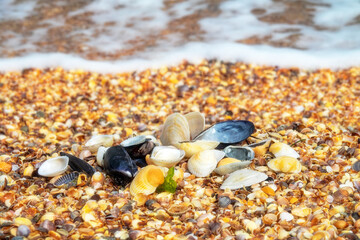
{"x":43,"y":112}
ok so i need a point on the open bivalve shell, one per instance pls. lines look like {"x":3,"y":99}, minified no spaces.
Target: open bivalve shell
{"x":166,"y":156}
{"x":196,"y":123}
{"x":175,"y":130}
{"x":147,"y":180}
{"x":99,"y":140}
{"x":243,"y":178}
{"x":192,"y":148}
{"x":285,"y":164}
{"x":54,"y":166}
{"x":203,"y":163}
{"x":229,"y":165}
{"x":281,"y":149}
{"x":239,"y":152}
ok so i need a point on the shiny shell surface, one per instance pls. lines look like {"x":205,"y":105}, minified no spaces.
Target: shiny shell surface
{"x":203,"y":163}
{"x":100,"y":155}
{"x":228,"y":132}
{"x":239,"y":152}
{"x":147,"y":180}
{"x":78,"y":164}
{"x":54,"y":166}
{"x":229,"y":165}
{"x":196,"y":123}
{"x":243,"y":178}
{"x":285,"y":164}
{"x":166,"y":156}
{"x":192,"y":148}
{"x":281,"y":149}
{"x":175,"y":130}
{"x":99,"y":140}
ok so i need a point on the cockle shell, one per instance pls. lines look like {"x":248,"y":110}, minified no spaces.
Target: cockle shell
{"x":147,"y":180}
{"x":100,"y":155}
{"x":54,"y":166}
{"x":281,"y":149}
{"x":243,"y":178}
{"x":229,"y":165}
{"x":192,"y":148}
{"x":203,"y":163}
{"x":285,"y":164}
{"x":175,"y":130}
{"x":239,"y":152}
{"x":166,"y":156}
{"x":99,"y":140}
{"x":196,"y":123}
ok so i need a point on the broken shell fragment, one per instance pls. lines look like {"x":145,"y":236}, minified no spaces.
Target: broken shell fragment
{"x":192,"y":148}
{"x":178,"y":209}
{"x":54,"y":166}
{"x":243,"y":178}
{"x":202,"y":163}
{"x":285,"y":164}
{"x":147,"y":180}
{"x":196,"y":123}
{"x":239,"y":152}
{"x":175,"y":130}
{"x":281,"y":149}
{"x":260,"y":148}
{"x":97,"y":180}
{"x":100,"y":155}
{"x":99,"y":140}
{"x":229,"y":165}
{"x":166,"y":156}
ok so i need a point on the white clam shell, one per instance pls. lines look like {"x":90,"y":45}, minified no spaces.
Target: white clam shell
{"x":281,"y":149}
{"x":175,"y":130}
{"x":203,"y":163}
{"x":100,"y":155}
{"x":166,"y":156}
{"x":243,"y":178}
{"x":54,"y":166}
{"x":196,"y":123}
{"x":232,"y":167}
{"x":99,"y":140}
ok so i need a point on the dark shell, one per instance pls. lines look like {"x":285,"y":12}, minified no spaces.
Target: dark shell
{"x":356,"y":166}
{"x":78,"y":164}
{"x":67,"y":178}
{"x":224,"y":201}
{"x":119,"y":165}
{"x":138,"y":147}
{"x":227,"y":132}
{"x":140,"y":162}
{"x":240,"y":153}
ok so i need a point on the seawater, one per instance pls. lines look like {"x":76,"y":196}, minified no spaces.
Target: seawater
{"x":327,"y":37}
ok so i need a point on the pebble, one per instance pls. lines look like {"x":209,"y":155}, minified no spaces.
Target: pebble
{"x":224,"y":201}
{"x":23,"y":230}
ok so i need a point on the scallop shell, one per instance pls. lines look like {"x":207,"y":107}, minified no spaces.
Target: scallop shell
{"x":166,"y":156}
{"x":203,"y":163}
{"x":196,"y":123}
{"x":54,"y":166}
{"x":175,"y":130}
{"x":285,"y":164}
{"x":229,"y":165}
{"x":192,"y":148}
{"x":243,"y":178}
{"x":281,"y":149}
{"x":239,"y":152}
{"x":99,"y":140}
{"x":100,"y":155}
{"x":147,"y":180}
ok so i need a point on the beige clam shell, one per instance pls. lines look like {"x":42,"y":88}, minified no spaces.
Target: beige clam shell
{"x":147,"y":180}
{"x":243,"y":178}
{"x":203,"y":163}
{"x":196,"y":123}
{"x":54,"y":166}
{"x":229,"y":165}
{"x":166,"y":156}
{"x":100,"y":155}
{"x":285,"y":164}
{"x":175,"y":130}
{"x":192,"y":148}
{"x":281,"y":149}
{"x":99,"y":140}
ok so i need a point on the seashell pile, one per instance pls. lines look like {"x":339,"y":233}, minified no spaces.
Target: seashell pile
{"x":143,"y":162}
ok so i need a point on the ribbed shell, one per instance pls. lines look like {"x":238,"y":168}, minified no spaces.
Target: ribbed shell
{"x":147,"y":180}
{"x":196,"y":123}
{"x":192,"y":148}
{"x":281,"y":149}
{"x":203,"y":163}
{"x":166,"y":156}
{"x":67,"y":178}
{"x":175,"y":130}
{"x":243,"y":178}
{"x":285,"y":164}
{"x":54,"y":166}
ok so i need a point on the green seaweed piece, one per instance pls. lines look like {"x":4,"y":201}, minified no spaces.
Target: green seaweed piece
{"x":169,"y":184}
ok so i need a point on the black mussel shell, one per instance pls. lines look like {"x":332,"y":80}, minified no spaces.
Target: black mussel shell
{"x":227,"y":132}
{"x":138,"y":147}
{"x":356,"y":166}
{"x":119,"y":165}
{"x":78,"y":164}
{"x":140,"y":162}
{"x":67,"y":179}
{"x":239,"y":152}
